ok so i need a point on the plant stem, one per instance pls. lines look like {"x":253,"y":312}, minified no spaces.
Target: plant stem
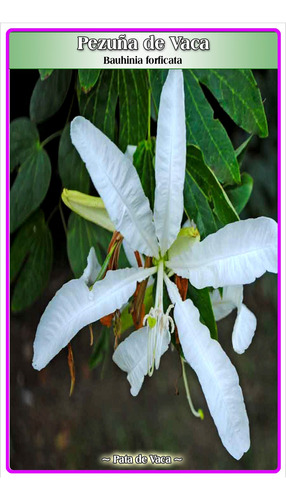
{"x":52,"y":213}
{"x":196,"y":413}
{"x":62,"y":217}
{"x":149,"y":113}
{"x":51,"y":137}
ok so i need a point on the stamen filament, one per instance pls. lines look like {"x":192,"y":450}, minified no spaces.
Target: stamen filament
{"x":196,"y":413}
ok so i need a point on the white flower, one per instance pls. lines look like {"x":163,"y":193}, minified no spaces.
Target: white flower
{"x":236,"y":254}
{"x":245,"y":323}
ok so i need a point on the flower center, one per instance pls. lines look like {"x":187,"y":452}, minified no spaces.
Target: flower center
{"x":160,"y":324}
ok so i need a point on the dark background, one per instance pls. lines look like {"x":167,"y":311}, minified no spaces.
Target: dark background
{"x":50,"y":430}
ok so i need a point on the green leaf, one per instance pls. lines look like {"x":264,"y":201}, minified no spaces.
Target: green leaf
{"x":31,"y":261}
{"x":240,"y":195}
{"x":207,"y":133}
{"x":88,"y":78}
{"x":30,"y":187}
{"x":157,"y":79}
{"x":237,"y":92}
{"x":201,"y":299}
{"x":24,"y":140}
{"x":197,"y":207}
{"x":241,"y":150}
{"x":99,"y":105}
{"x":101,"y":347}
{"x":208,"y":183}
{"x":143,"y":162}
{"x":48,"y":95}
{"x":72,"y":170}
{"x":45,"y":73}
{"x":133,"y":107}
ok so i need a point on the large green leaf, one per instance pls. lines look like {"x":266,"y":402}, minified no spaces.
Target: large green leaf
{"x":240,"y":195}
{"x":201,"y":299}
{"x":208,"y":183}
{"x":48,"y":95}
{"x":88,"y":78}
{"x":45,"y":73}
{"x":99,"y":105}
{"x":72,"y":170}
{"x":30,"y":187}
{"x":24,"y":140}
{"x":197,"y":207}
{"x":30,"y":261}
{"x":237,"y":92}
{"x":207,"y":133}
{"x":133,"y":107}
{"x":143,"y":161}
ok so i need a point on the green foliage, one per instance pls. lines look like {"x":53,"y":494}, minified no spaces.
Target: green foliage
{"x":99,"y":105}
{"x":197,"y":207}
{"x":238,"y":94}
{"x":201,"y":299}
{"x":143,"y":161}
{"x":30,"y":187}
{"x":240,"y":195}
{"x":24,"y":140}
{"x":30,"y":261}
{"x":133,"y":107}
{"x":210,"y":186}
{"x":45,"y":73}
{"x":81,"y":236}
{"x":71,"y":168}
{"x":157,"y":79}
{"x":88,"y":78}
{"x":207,"y":133}
{"x":49,"y":95}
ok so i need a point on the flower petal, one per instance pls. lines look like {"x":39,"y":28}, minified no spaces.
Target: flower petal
{"x":75,"y":306}
{"x":243,"y":330}
{"x":231,"y":298}
{"x":170,"y":160}
{"x":130,"y":254}
{"x":236,"y":254}
{"x":132,"y":357}
{"x":92,"y":269}
{"x":118,"y":184}
{"x":89,"y":207}
{"x":245,"y":323}
{"x":217,"y":375}
{"x":130,"y":150}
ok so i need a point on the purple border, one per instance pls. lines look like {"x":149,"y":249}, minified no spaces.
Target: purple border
{"x":135,"y":30}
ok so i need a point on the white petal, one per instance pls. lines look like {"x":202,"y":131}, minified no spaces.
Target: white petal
{"x":231,"y":298}
{"x":130,"y":150}
{"x":118,"y":184}
{"x":130,"y":254}
{"x":170,"y":160}
{"x":243,"y":330}
{"x":217,"y":375}
{"x":132,"y":357}
{"x":92,"y":269}
{"x":236,"y":254}
{"x":75,"y":306}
